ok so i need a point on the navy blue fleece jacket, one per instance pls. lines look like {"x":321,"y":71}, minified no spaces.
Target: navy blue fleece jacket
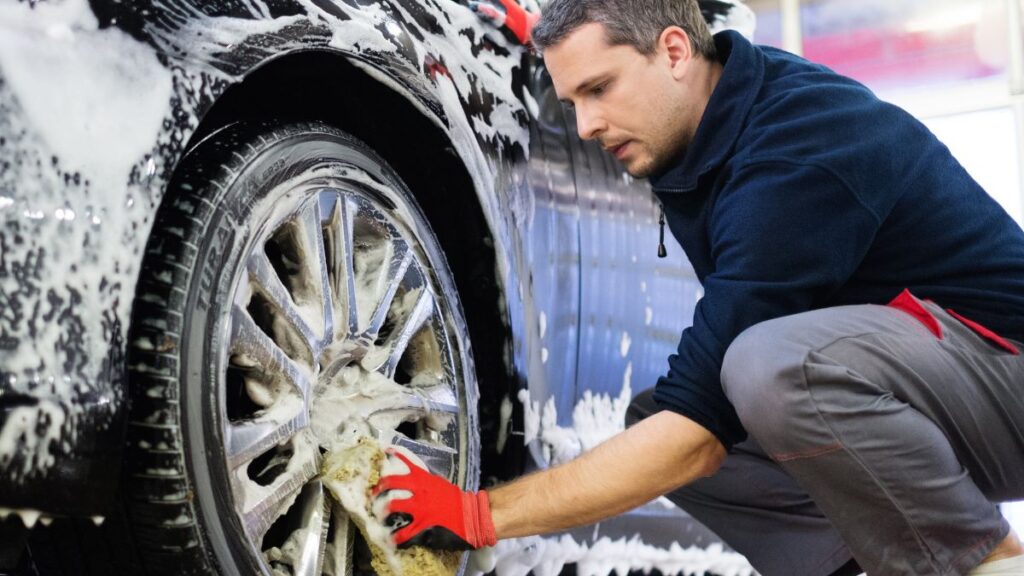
{"x":802,"y":190}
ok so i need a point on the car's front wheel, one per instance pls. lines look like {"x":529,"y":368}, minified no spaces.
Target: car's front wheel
{"x":292,"y":298}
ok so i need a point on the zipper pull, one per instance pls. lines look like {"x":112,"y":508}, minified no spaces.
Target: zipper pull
{"x":662,"y":252}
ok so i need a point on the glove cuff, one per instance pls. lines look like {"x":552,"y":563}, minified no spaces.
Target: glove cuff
{"x":480,"y":526}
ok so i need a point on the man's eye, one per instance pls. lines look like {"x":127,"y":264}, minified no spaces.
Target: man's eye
{"x":599,"y":89}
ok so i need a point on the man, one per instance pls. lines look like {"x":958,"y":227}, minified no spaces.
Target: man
{"x":811,"y":426}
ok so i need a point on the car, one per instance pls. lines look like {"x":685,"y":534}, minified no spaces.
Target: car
{"x":234,"y":231}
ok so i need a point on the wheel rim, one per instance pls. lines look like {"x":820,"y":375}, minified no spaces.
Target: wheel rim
{"x":336,"y":330}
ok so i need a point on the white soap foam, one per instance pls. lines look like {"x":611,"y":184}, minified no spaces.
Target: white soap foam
{"x":505,"y":418}
{"x":740,"y":18}
{"x":89,"y":103}
{"x":89,"y":73}
{"x":28,"y":516}
{"x":547,"y":556}
{"x":35,"y":431}
{"x":596,"y":418}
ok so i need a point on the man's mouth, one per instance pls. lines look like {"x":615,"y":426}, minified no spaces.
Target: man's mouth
{"x":619,"y":150}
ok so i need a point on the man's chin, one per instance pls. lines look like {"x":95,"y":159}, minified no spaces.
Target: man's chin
{"x":647,"y":167}
{"x":639,"y":169}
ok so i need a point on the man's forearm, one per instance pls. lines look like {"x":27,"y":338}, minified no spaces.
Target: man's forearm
{"x":651,"y":458}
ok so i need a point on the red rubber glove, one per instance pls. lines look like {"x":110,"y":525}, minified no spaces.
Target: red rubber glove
{"x":439,"y":513}
{"x":507,"y":15}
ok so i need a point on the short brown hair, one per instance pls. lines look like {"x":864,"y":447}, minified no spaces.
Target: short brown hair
{"x":636,"y":23}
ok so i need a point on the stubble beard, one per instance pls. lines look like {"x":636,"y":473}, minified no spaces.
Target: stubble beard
{"x":649,"y":164}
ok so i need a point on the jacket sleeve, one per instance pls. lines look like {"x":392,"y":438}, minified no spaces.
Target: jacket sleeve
{"x":784,"y":238}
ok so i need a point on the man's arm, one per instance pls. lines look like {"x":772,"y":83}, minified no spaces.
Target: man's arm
{"x":651,"y":458}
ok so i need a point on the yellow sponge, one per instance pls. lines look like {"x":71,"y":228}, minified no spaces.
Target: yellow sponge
{"x":350,"y":474}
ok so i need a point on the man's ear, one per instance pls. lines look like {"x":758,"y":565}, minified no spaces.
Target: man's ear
{"x":674,"y":42}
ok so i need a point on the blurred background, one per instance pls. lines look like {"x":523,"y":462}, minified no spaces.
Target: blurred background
{"x":957,"y":65}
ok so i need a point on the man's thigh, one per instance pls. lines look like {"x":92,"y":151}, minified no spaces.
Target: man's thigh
{"x":970,"y":388}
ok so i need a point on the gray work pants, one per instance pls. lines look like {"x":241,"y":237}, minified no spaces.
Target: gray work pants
{"x":870,"y":438}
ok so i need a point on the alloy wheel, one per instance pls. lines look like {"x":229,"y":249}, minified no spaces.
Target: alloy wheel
{"x":337,"y":328}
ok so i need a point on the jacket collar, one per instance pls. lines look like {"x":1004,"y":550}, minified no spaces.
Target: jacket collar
{"x":724,"y":116}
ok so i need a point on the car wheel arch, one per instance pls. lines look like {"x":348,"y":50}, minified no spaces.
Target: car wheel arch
{"x":325,"y":86}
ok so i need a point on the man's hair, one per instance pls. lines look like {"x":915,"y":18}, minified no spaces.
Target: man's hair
{"x":636,"y":23}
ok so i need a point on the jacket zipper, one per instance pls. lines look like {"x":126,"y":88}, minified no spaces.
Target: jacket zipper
{"x":662,"y":252}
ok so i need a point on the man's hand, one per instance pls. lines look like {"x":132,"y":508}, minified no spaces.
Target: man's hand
{"x":440,"y":514}
{"x":507,"y":16}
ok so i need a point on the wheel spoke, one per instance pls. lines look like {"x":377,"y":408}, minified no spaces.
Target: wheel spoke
{"x":316,"y":264}
{"x":266,"y":505}
{"x":435,"y":399}
{"x":313,"y":519}
{"x":338,"y":559}
{"x":401,"y":259}
{"x":249,"y":340}
{"x":439,"y":459}
{"x":247,"y":440}
{"x":339,"y":234}
{"x":399,"y":340}
{"x":439,"y":398}
{"x":270,"y":285}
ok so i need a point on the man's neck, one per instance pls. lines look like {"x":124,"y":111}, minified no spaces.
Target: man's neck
{"x":709,"y":73}
{"x":706,"y":75}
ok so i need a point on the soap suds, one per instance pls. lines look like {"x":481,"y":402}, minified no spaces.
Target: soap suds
{"x":104,"y":70}
{"x":547,"y":556}
{"x":287,"y":554}
{"x":738,"y":17}
{"x":505,"y":420}
{"x":81,"y":108}
{"x":596,"y":418}
{"x":34,"y":432}
{"x":28,"y":516}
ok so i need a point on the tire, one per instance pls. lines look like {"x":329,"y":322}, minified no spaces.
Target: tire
{"x":285,"y":262}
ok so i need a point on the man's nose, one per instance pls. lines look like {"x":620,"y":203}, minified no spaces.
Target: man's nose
{"x":588,"y":123}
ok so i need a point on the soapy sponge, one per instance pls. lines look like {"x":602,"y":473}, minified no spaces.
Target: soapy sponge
{"x":350,"y":474}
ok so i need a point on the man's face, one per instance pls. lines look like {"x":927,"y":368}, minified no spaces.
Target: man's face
{"x":632,"y":103}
